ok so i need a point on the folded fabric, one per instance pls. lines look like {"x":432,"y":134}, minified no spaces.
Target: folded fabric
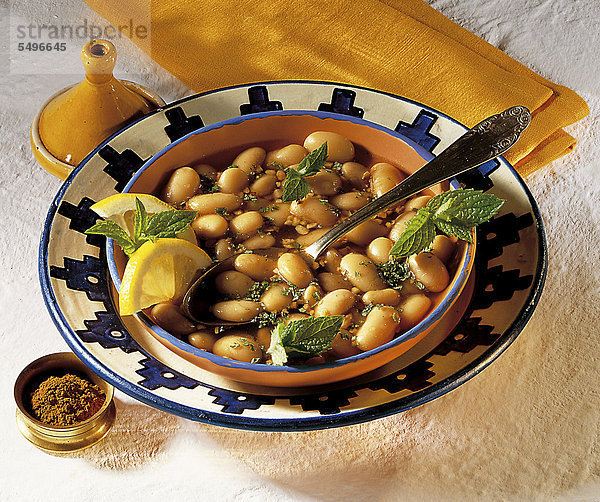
{"x":404,"y":47}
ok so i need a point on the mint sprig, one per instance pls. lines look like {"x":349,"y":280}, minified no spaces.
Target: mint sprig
{"x":454,"y":213}
{"x":146,"y":228}
{"x":295,"y":186}
{"x":113,"y":231}
{"x":303,"y":338}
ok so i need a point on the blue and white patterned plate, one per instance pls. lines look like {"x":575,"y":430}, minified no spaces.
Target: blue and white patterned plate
{"x":508,"y":276}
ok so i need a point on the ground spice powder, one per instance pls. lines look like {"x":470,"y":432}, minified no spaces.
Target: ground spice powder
{"x":66,"y":400}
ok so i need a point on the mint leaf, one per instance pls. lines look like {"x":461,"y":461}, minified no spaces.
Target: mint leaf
{"x":455,"y":229}
{"x":168,"y":223}
{"x":303,"y":338}
{"x":314,"y":161}
{"x":418,"y":236}
{"x":113,"y":231}
{"x":454,"y":213}
{"x":140,"y":223}
{"x":164,"y":224}
{"x":464,"y":206}
{"x":295,"y":186}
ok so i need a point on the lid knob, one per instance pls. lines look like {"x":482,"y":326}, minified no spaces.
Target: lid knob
{"x":98,"y":58}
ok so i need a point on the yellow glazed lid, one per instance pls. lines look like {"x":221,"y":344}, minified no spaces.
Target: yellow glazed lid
{"x":57,"y":439}
{"x":77,"y":119}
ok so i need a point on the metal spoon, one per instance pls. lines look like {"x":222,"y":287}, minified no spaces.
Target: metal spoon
{"x":488,"y":139}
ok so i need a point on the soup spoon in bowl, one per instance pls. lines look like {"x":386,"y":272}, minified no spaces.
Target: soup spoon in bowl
{"x":490,"y":138}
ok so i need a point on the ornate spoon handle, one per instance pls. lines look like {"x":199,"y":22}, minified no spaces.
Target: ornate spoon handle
{"x":488,"y":139}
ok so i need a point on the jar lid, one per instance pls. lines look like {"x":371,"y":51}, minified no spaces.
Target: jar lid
{"x":61,"y":439}
{"x":78,"y":118}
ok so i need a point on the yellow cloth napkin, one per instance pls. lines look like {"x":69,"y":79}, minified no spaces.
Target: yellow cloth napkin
{"x":403,"y":47}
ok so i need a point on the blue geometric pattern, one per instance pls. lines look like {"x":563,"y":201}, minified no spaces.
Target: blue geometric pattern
{"x":328,"y":403}
{"x":342,"y":101}
{"x":179,"y":124}
{"x":419,"y":130}
{"x":82,"y":218}
{"x":121,"y":166}
{"x":156,"y":375}
{"x":259,"y":101}
{"x":237,"y":402}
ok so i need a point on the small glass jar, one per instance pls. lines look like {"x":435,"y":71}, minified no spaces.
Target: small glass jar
{"x":54,"y":438}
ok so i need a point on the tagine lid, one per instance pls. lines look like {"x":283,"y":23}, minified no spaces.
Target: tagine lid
{"x":75,"y":120}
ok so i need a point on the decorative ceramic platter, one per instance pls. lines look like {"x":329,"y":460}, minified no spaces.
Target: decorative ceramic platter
{"x":508,"y":276}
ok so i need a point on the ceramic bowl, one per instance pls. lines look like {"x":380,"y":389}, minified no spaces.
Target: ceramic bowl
{"x":54,"y":438}
{"x":218,"y":144}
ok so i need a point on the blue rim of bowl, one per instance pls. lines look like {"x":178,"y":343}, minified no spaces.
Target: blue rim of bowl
{"x":295,"y":424}
{"x":433,"y":317}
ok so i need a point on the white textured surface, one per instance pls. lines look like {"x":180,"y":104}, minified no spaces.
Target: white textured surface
{"x":526,"y":429}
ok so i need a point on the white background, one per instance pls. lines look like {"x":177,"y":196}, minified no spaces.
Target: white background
{"x":526,"y":429}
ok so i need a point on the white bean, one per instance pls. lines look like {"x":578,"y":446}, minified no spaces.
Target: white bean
{"x":331,"y":281}
{"x":259,"y":268}
{"x":287,"y":156}
{"x":233,"y":283}
{"x":399,"y":225}
{"x":443,"y":247}
{"x":182,"y":185}
{"x":314,"y":210}
{"x":342,"y":345}
{"x":250,"y":159}
{"x":239,"y":346}
{"x":277,"y":214}
{"x":203,"y":340}
{"x":209,"y":202}
{"x":264,"y":185}
{"x":276,"y":298}
{"x":261,"y":241}
{"x":246,"y":224}
{"x":361,"y":272}
{"x":381,"y":325}
{"x":332,"y":261}
{"x":384,"y":177}
{"x":312,"y":236}
{"x":387,"y":296}
{"x":350,"y":201}
{"x":417,"y":203}
{"x":233,"y":180}
{"x":325,"y":183}
{"x":236,"y":310}
{"x":210,"y":226}
{"x":429,"y":270}
{"x":366,"y":232}
{"x":356,"y":173}
{"x":339,"y":148}
{"x":337,"y":302}
{"x":207,"y":171}
{"x":414,"y":308}
{"x":312,"y":294}
{"x":224,"y":249}
{"x":379,"y":249}
{"x":294,"y":270}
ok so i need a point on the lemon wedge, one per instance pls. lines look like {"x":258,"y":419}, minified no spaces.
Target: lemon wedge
{"x":160,"y":271}
{"x":120,"y":208}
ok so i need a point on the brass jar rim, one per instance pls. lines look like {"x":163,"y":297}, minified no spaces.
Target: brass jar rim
{"x":55,"y":438}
